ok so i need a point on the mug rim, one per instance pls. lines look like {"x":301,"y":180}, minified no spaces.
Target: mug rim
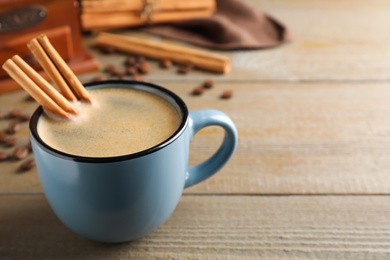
{"x":179,"y":103}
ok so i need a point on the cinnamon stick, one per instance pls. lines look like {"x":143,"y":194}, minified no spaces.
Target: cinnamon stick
{"x":104,"y":6}
{"x":73,"y":82}
{"x":104,"y":14}
{"x":99,"y":21}
{"x":160,"y":50}
{"x":30,"y":87}
{"x":49,"y":67}
{"x":44,"y":85}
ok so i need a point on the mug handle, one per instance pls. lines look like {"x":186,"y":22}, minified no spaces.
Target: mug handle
{"x":201,"y":119}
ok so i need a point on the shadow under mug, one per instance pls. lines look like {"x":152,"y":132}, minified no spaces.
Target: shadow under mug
{"x":122,"y":198}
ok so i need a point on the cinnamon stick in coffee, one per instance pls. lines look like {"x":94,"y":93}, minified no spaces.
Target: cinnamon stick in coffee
{"x":32,"y":88}
{"x":50,"y":68}
{"x":44,"y":85}
{"x":160,"y":50}
{"x":57,"y":69}
{"x":64,"y":69}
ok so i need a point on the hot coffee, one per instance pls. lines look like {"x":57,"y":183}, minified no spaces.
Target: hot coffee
{"x":120,"y":121}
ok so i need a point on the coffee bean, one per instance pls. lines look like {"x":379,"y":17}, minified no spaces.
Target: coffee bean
{"x":27,"y":165}
{"x":115,"y":72}
{"x":119,"y":74}
{"x":24,"y":118}
{"x":166,"y":63}
{"x":107,"y":49}
{"x":208,"y":84}
{"x":227,"y":94}
{"x":143,"y":68}
{"x":131,"y":71}
{"x":9,"y":141}
{"x":184,"y":68}
{"x":131,"y":61}
{"x":20,"y":153}
{"x":14,"y":113}
{"x":3,"y":156}
{"x":13,"y":128}
{"x":197,"y":91}
{"x":109,"y":68}
{"x":140,"y":59}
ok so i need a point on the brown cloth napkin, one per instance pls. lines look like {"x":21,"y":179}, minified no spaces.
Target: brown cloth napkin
{"x":235,"y":25}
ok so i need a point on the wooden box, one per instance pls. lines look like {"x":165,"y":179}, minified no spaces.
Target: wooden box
{"x":22,"y":20}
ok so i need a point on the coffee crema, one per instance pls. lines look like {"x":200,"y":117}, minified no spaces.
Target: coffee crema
{"x":120,"y":121}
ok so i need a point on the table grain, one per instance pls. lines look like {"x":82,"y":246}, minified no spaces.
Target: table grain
{"x":311,"y":175}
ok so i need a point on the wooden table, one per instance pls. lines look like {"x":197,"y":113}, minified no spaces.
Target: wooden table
{"x":311,"y":175}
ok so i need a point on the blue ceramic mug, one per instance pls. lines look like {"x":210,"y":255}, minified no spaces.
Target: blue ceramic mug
{"x":117,"y":199}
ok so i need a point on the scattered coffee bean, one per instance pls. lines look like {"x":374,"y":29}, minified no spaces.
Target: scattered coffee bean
{"x":140,"y":59}
{"x":13,"y":128}
{"x":208,"y":84}
{"x":24,"y":118}
{"x":131,"y":71}
{"x":184,"y":68}
{"x":14,"y":113}
{"x":9,"y":141}
{"x":115,"y":72}
{"x":143,"y":67}
{"x":197,"y":91}
{"x":166,"y":63}
{"x":20,"y":153}
{"x":109,"y":68}
{"x":118,"y":74}
{"x":107,"y":49}
{"x":27,"y":165}
{"x":227,"y":94}
{"x":3,"y":156}
{"x":130,"y":61}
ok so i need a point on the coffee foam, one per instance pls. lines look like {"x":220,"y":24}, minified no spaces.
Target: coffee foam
{"x":119,"y":121}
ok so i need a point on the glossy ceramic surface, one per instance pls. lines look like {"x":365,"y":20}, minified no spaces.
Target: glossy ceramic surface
{"x":117,"y":199}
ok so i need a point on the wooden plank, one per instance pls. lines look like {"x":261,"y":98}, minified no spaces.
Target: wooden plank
{"x":331,"y":40}
{"x":215,"y":227}
{"x":302,"y":139}
{"x":294,"y":139}
{"x":10,"y":177}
